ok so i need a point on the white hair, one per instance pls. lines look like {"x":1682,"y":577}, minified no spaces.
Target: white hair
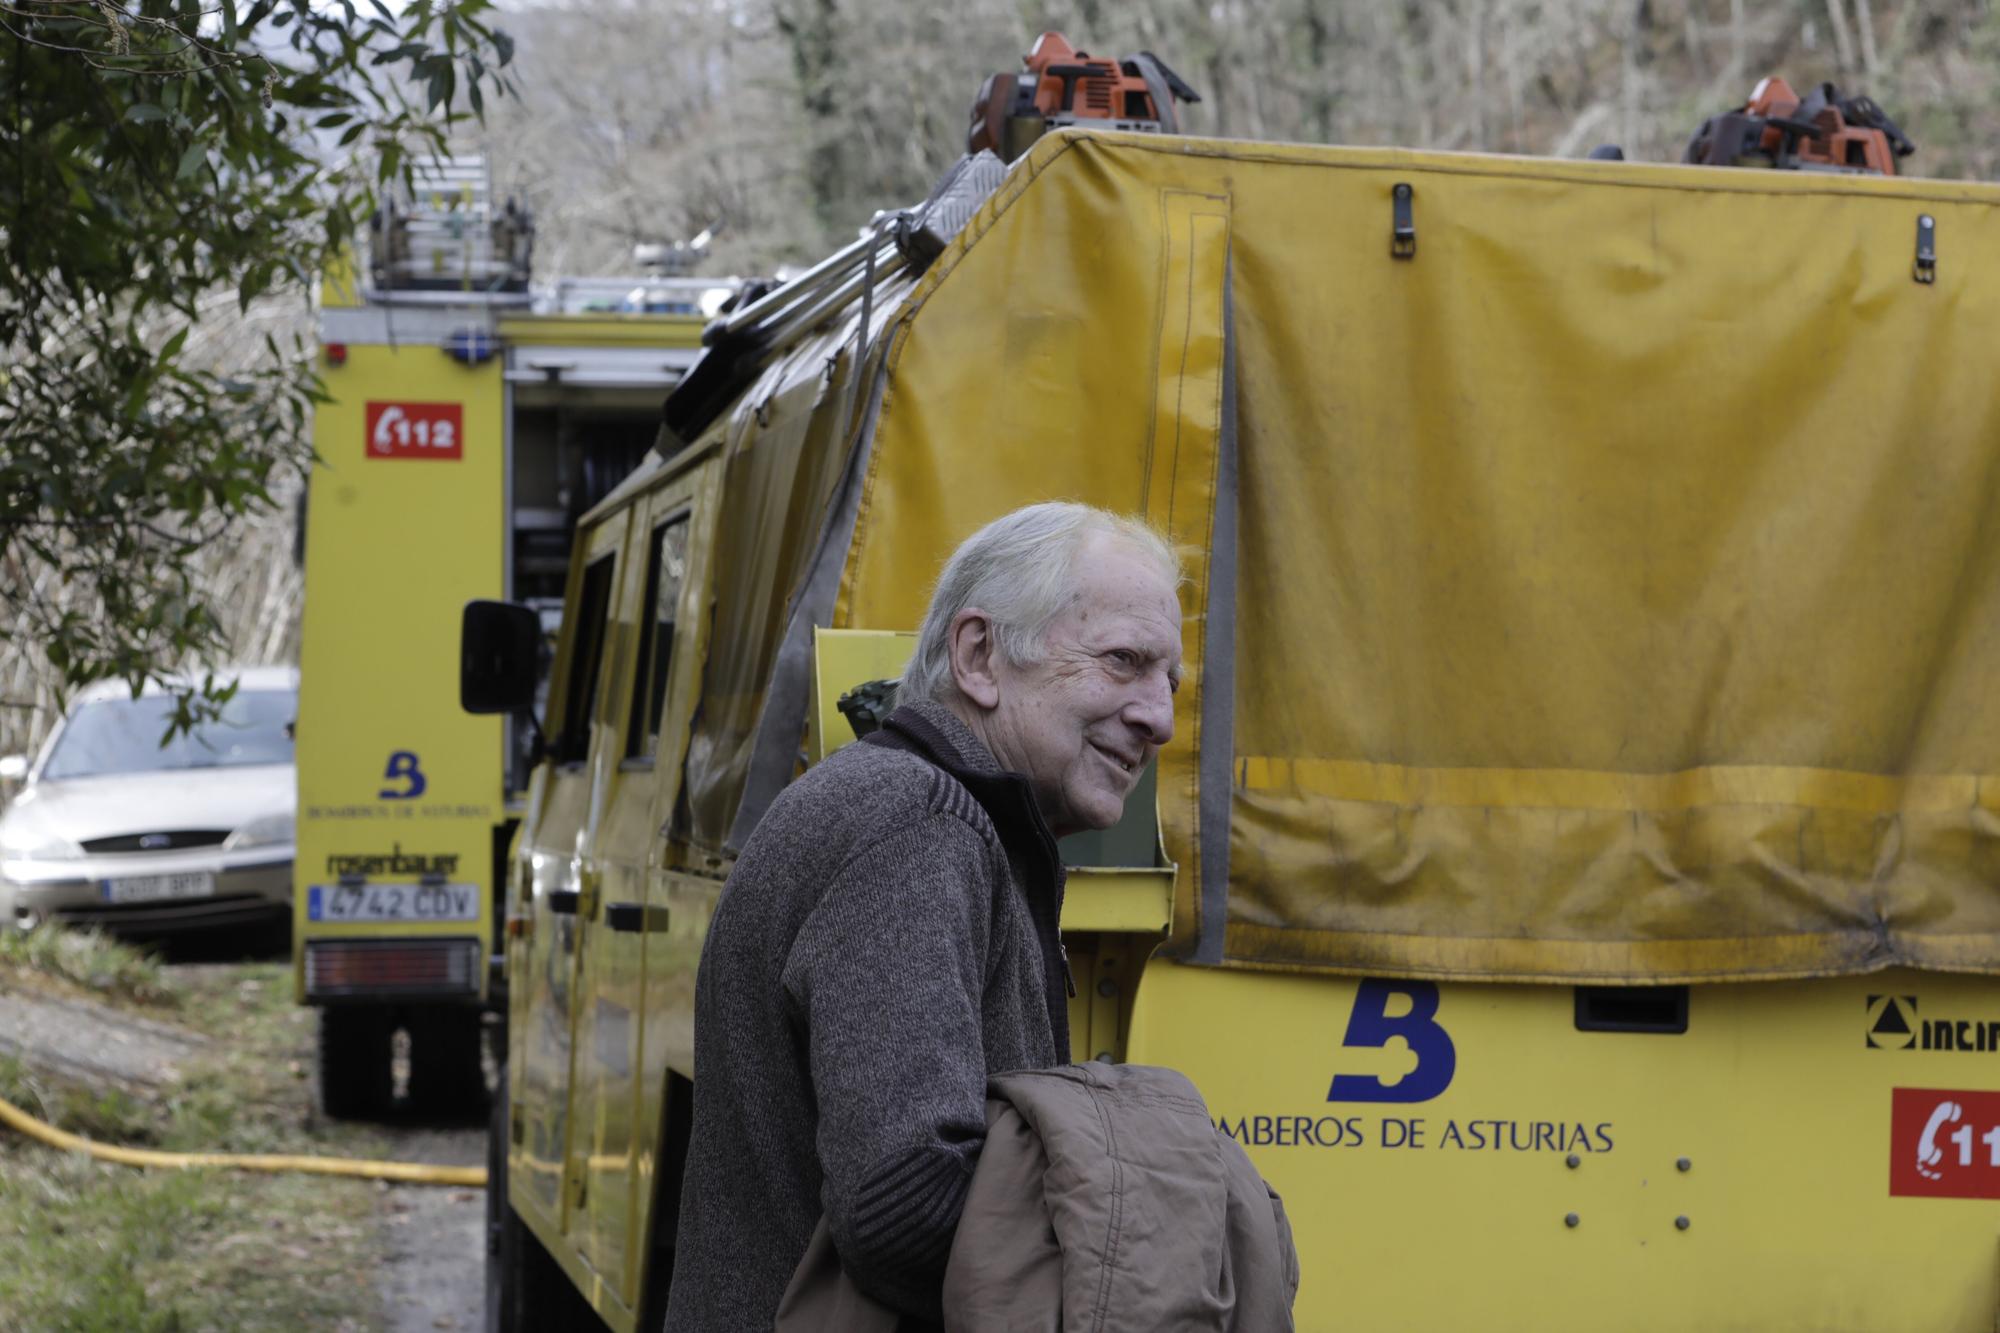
{"x":1020,"y":569}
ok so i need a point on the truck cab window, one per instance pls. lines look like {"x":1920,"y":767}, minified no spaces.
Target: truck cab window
{"x":572,"y":743}
{"x":666,"y":566}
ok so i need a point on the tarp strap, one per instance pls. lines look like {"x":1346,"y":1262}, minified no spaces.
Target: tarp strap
{"x":1218,"y":659}
{"x":774,"y":755}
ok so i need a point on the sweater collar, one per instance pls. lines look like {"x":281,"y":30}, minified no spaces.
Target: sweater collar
{"x":941,"y":736}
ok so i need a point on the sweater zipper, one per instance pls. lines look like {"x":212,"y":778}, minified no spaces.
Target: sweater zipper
{"x":1069,"y":978}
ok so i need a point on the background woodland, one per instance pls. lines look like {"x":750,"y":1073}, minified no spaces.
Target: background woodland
{"x":789,"y":122}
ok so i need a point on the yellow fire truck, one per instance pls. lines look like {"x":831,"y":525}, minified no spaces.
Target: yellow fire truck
{"x":472,"y":418}
{"x":1573,"y":875}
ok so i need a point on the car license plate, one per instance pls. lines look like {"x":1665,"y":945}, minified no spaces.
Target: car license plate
{"x":160,"y":888}
{"x":392,"y":902}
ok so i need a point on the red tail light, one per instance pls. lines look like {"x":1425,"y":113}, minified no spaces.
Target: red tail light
{"x":391,"y":967}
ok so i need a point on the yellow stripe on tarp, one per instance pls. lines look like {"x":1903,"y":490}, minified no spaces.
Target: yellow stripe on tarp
{"x":1751,"y":958}
{"x":1577,"y":789}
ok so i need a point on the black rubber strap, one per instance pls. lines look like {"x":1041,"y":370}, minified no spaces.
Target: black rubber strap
{"x":1218,"y":660}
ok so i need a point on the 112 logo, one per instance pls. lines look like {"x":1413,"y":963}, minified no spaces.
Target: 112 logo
{"x":1944,"y":1143}
{"x":416,"y":430}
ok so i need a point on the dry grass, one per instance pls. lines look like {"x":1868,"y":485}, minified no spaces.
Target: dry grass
{"x":88,"y":960}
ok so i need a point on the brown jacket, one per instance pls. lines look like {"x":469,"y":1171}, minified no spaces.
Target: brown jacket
{"x":1104,"y":1200}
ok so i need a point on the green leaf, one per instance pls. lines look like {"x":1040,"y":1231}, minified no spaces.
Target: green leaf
{"x":504,"y":45}
{"x":135,"y":396}
{"x":193,"y":160}
{"x":254,"y":284}
{"x":139,"y":113}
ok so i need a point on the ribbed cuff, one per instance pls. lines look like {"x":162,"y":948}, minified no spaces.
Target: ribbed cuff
{"x":897,"y":1236}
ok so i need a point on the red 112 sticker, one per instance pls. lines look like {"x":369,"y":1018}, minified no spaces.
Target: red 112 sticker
{"x":1944,"y":1144}
{"x":416,"y":430}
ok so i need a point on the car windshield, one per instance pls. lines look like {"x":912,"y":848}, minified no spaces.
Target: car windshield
{"x":123,"y":736}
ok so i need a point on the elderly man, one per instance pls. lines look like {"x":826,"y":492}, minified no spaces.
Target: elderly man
{"x":888,"y":938}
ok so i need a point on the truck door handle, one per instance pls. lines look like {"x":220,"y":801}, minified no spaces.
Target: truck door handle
{"x":638,"y":917}
{"x":563,"y":902}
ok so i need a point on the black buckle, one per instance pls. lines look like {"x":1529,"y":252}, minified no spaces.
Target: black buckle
{"x":1925,"y":269}
{"x":1403,"y":238}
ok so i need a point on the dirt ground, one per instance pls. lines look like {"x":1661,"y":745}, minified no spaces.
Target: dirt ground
{"x":433,"y":1238}
{"x":429,"y":1238}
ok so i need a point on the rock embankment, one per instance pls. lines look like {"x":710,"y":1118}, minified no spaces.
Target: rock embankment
{"x":80,"y":1040}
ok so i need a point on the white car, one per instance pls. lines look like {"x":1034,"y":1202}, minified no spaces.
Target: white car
{"x":114,"y":830}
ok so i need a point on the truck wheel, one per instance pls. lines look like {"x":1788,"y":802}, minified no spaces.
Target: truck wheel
{"x":447,"y":1075}
{"x":355,"y":1078}
{"x":503,"y":1229}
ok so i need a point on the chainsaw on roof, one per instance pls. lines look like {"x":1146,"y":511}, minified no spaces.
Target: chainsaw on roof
{"x":1821,"y":131}
{"x":1063,"y":86}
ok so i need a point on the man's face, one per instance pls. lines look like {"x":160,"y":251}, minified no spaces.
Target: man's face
{"x":1083,"y":722}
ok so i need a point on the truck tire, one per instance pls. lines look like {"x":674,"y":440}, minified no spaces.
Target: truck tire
{"x":355,"y":1078}
{"x":447,"y":1072}
{"x":503,"y":1229}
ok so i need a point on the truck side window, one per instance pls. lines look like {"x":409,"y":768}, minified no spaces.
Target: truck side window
{"x":572,"y":744}
{"x":666,"y":566}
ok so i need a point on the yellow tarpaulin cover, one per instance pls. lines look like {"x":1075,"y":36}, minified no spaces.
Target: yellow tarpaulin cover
{"x":785,"y":441}
{"x":1615,"y":578}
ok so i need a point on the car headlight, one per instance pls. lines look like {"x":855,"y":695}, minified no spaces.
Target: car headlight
{"x":270,"y":831}
{"x":37,"y":844}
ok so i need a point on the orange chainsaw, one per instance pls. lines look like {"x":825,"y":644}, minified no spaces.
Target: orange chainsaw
{"x":1821,"y":131}
{"x":1063,"y":86}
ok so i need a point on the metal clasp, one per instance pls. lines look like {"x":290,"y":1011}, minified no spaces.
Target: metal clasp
{"x":1925,"y":268}
{"x":1403,"y":239}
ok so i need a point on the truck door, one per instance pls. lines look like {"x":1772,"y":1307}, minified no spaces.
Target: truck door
{"x":610,"y":1158}
{"x":556,"y":875}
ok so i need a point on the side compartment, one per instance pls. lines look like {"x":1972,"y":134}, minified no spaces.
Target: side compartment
{"x":1799,"y":1156}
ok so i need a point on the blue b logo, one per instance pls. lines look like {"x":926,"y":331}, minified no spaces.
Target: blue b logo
{"x":403,"y":768}
{"x":1370,"y":1026}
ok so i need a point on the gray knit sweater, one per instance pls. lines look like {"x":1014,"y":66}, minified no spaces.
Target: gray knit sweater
{"x":886,"y":942}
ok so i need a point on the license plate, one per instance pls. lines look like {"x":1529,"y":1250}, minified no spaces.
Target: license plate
{"x":392,"y":902}
{"x":160,"y":888}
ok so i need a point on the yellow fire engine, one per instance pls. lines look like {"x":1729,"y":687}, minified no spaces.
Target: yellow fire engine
{"x":472,"y":419}
{"x":1573,"y":875}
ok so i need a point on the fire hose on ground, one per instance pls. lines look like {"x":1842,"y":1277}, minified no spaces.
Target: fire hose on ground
{"x":408,"y":1173}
